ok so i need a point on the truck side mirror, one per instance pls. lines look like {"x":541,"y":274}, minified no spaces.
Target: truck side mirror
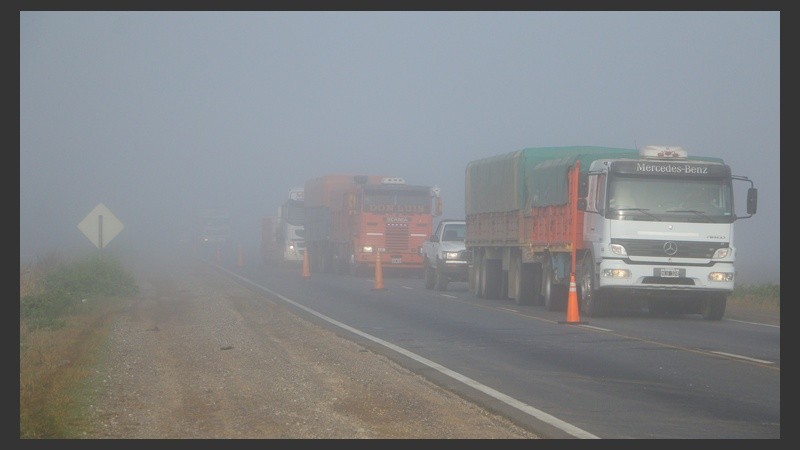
{"x":582,"y":204}
{"x":583,"y":186}
{"x":434,"y":238}
{"x":752,"y":200}
{"x":437,"y":206}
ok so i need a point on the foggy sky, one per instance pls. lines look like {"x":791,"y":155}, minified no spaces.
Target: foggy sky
{"x":160,"y":114}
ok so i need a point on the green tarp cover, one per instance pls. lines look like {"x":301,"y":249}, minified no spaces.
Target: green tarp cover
{"x":531,"y":177}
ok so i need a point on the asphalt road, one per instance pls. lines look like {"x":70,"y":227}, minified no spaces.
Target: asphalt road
{"x":629,"y":375}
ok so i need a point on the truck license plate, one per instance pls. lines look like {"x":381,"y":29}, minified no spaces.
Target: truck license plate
{"x":397,"y":260}
{"x":670,"y":273}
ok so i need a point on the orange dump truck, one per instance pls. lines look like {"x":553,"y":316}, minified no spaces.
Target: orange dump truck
{"x":351,"y":220}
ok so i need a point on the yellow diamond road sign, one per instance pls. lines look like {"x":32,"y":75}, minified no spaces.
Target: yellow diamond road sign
{"x":100,"y":226}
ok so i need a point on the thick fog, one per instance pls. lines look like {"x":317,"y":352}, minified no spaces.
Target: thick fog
{"x":159,"y":115}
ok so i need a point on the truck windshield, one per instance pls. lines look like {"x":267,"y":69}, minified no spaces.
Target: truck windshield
{"x":294,"y":212}
{"x":397,"y":202}
{"x":690,"y":200}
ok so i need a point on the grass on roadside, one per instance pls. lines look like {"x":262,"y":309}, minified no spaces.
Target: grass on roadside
{"x":65,"y":312}
{"x":766,"y":296}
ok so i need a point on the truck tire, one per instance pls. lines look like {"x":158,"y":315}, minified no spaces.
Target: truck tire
{"x":474,"y":273}
{"x":440,"y":280}
{"x":480,"y":289}
{"x":325,"y":261}
{"x":491,"y":278}
{"x":534,"y":271}
{"x":713,"y":307}
{"x":555,"y":295}
{"x":429,"y":276}
{"x":529,"y":282}
{"x":478,"y":272}
{"x":592,"y":302}
{"x":351,"y":265}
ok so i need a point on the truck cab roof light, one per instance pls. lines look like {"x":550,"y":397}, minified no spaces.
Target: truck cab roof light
{"x":393,"y":180}
{"x":663,"y":152}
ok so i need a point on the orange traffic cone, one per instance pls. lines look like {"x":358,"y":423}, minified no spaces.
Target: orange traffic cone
{"x":306,"y":272}
{"x":240,"y":257}
{"x":573,"y":316}
{"x":378,"y":275}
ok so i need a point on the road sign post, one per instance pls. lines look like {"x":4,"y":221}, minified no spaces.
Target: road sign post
{"x":100,"y":226}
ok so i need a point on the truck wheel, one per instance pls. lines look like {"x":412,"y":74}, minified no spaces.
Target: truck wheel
{"x":555,"y":296}
{"x":536,"y":277}
{"x":492,"y":278}
{"x":593,"y":303}
{"x":429,"y":277}
{"x":324,"y":262}
{"x":528,"y":281}
{"x":714,"y":306}
{"x":480,"y":278}
{"x":475,"y":275}
{"x":440,"y":280}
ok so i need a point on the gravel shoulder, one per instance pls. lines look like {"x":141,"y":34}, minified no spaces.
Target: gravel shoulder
{"x":196,"y":355}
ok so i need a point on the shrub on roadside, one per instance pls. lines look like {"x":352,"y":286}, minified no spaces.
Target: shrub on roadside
{"x":66,"y":286}
{"x":765,"y":295}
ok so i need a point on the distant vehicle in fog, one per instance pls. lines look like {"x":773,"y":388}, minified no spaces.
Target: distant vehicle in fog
{"x":289,"y":228}
{"x":215,"y":227}
{"x":445,"y":256}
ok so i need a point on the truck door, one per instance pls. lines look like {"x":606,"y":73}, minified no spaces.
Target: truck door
{"x":593,"y":223}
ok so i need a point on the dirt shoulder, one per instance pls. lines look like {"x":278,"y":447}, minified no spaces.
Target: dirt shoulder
{"x":195,"y":355}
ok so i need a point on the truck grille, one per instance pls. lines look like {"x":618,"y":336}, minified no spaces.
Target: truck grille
{"x":396,"y":237}
{"x":659,"y":248}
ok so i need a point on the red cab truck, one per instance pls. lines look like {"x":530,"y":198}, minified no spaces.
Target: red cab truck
{"x":351,"y":219}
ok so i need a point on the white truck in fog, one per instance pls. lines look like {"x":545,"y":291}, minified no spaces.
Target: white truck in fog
{"x":445,"y":256}
{"x":651,"y":227}
{"x":289,"y":229}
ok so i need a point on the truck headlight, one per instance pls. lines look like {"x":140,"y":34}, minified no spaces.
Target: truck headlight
{"x":366,"y":249}
{"x":450,"y":255}
{"x":618,"y":250}
{"x":721,"y":253}
{"x":617,"y":273}
{"x":720,"y":276}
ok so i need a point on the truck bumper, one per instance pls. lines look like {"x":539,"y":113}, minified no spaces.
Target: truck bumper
{"x":665,"y":278}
